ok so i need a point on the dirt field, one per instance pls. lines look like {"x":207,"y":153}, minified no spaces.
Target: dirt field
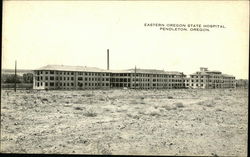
{"x":153,"y":122}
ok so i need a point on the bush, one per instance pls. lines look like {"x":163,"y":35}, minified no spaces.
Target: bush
{"x":78,"y":108}
{"x":90,"y":114}
{"x":154,"y":113}
{"x":179,"y":105}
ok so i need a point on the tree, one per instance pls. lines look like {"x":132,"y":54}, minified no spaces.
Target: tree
{"x":10,"y":78}
{"x":28,"y":78}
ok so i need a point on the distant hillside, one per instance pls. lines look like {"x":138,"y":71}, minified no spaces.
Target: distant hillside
{"x":12,"y":71}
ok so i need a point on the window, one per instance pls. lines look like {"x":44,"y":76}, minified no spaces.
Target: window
{"x":46,"y":83}
{"x":80,"y":78}
{"x":51,"y":77}
{"x":51,"y":72}
{"x":86,"y":79}
{"x":72,"y":78}
{"x":51,"y":83}
{"x":46,"y":77}
{"x":72,"y":84}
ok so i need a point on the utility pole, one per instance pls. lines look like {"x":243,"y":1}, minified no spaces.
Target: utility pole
{"x":135,"y":77}
{"x":107,"y":59}
{"x":15,"y":77}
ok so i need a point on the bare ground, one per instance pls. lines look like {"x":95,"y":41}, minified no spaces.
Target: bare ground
{"x":138,"y":122}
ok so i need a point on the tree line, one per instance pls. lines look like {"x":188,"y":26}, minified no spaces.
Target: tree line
{"x":10,"y":78}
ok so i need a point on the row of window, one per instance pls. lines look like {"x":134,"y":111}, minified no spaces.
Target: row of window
{"x":220,"y":77}
{"x":70,"y":84}
{"x":92,"y":79}
{"x":106,"y":74}
{"x":70,"y":78}
{"x":142,"y":80}
{"x":214,"y":81}
{"x":144,"y":75}
{"x":209,"y":85}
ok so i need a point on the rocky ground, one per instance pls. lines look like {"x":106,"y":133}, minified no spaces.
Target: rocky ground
{"x":131,"y":122}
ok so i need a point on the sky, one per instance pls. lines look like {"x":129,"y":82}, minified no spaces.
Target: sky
{"x":78,"y":33}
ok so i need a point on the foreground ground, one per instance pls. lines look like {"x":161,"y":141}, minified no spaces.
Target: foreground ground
{"x":153,"y":122}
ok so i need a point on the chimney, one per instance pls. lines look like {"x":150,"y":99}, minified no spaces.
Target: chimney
{"x":107,"y":59}
{"x":203,"y":69}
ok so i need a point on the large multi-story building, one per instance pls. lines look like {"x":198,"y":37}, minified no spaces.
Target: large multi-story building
{"x":77,"y":77}
{"x":210,"y":79}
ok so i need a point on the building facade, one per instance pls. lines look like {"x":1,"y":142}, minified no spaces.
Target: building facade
{"x":77,"y":77}
{"x":210,"y":79}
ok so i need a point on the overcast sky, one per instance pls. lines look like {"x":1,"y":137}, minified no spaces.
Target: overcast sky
{"x":37,"y":33}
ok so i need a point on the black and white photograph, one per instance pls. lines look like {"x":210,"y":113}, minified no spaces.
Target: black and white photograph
{"x":125,"y":77}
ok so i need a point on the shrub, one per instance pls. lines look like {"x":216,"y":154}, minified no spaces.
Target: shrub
{"x":209,"y":105}
{"x":90,"y":114}
{"x":179,"y":105}
{"x":78,"y":108}
{"x":154,"y":113}
{"x":166,"y":107}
